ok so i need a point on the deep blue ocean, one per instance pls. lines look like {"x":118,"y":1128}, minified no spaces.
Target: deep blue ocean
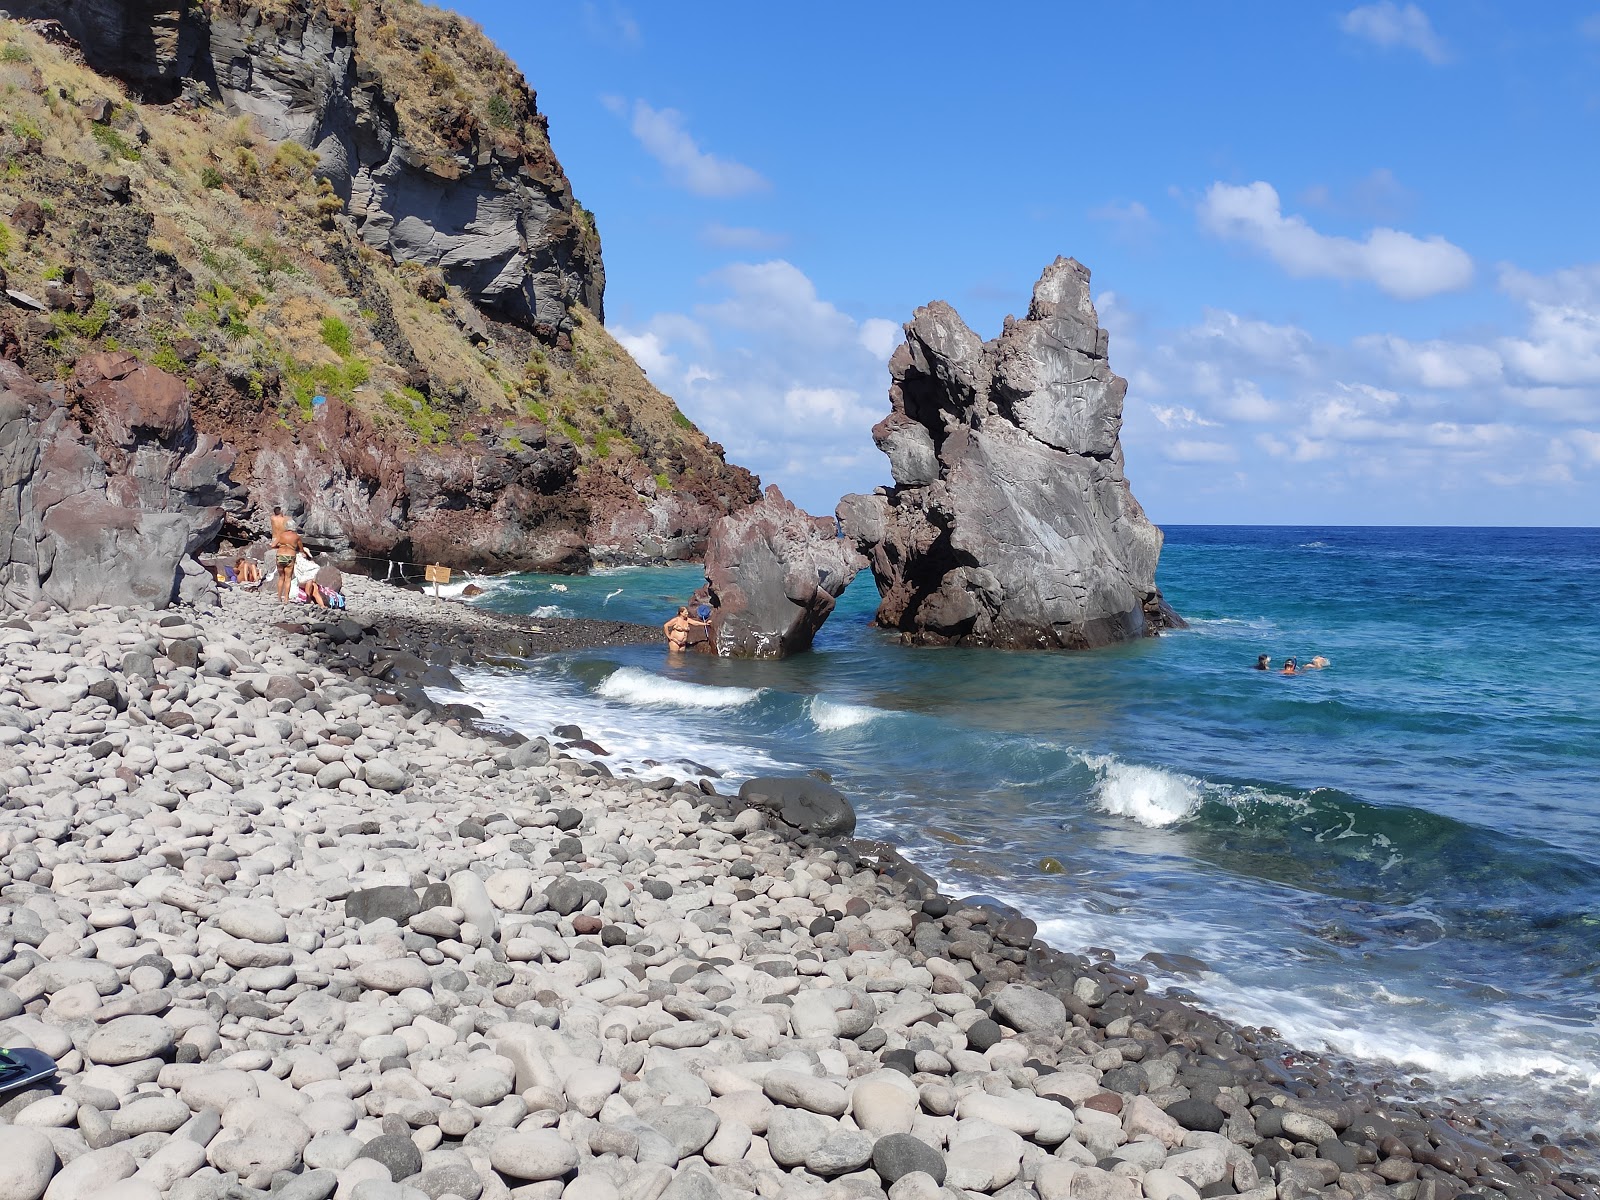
{"x":1395,"y":858}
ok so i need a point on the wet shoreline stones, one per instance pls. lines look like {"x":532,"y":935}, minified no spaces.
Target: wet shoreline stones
{"x":486,"y":969}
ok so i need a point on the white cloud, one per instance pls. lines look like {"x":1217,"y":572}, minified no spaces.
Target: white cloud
{"x":1130,"y":222}
{"x":742,"y":237}
{"x":1391,"y":26}
{"x":1265,"y":344}
{"x":881,"y":337}
{"x":1178,"y":416}
{"x":839,"y":406}
{"x":1587,"y":443}
{"x":1435,"y":363}
{"x":611,"y":24}
{"x":1186,"y":450}
{"x":787,"y":381}
{"x":1246,"y":403}
{"x":649,"y":350}
{"x":1404,"y":266}
{"x":1562,"y":345}
{"x":662,"y":133}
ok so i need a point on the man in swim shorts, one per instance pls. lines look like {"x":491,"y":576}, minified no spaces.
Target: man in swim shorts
{"x":286,"y":545}
{"x":677,"y":630}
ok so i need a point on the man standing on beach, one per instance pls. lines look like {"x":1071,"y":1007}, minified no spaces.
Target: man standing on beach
{"x":286,"y":545}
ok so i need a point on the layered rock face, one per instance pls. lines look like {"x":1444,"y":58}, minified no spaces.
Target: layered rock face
{"x":342,"y":225}
{"x":1011,"y":523}
{"x":114,"y":514}
{"x":495,"y":215}
{"x":774,"y":573}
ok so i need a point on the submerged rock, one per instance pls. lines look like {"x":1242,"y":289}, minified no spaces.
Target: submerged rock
{"x":1010,"y":522}
{"x":774,"y":573}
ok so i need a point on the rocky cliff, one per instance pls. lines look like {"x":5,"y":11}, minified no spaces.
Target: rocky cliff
{"x":773,"y":573}
{"x":342,"y":227}
{"x":1010,"y":522}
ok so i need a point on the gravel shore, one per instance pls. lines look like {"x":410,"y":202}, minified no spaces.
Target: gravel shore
{"x":289,"y":928}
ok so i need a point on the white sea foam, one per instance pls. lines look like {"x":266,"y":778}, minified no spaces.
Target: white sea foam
{"x":460,"y":583}
{"x":1149,"y":795}
{"x":830,"y":716}
{"x":549,"y":610}
{"x":633,"y":686}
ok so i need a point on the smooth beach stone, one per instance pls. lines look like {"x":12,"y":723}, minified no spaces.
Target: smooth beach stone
{"x":588,"y":1087}
{"x":880,"y":1107}
{"x":900,"y":1154}
{"x":793,"y":1133}
{"x":533,"y":1156}
{"x":805,"y":1091}
{"x":690,"y":1184}
{"x":393,"y":975}
{"x":688,"y":1129}
{"x":253,"y":923}
{"x":87,"y":1175}
{"x":396,"y":1152}
{"x":27,"y":1164}
{"x":1029,"y":1010}
{"x":311,"y":1185}
{"x":847,"y":1150}
{"x":384,"y":776}
{"x":129,"y":1040}
{"x":150,"y":1114}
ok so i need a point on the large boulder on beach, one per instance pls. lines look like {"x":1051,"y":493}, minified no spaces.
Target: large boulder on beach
{"x":803,"y":803}
{"x":773,"y":572}
{"x":1010,"y":522}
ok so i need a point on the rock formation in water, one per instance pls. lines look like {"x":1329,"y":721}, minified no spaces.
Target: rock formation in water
{"x":774,"y":573}
{"x":342,"y":226}
{"x":111,"y":514}
{"x":1010,"y":522}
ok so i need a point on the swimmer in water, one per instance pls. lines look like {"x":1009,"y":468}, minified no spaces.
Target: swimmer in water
{"x":1316,"y":664}
{"x":1289,"y":667}
{"x":1263,"y":662}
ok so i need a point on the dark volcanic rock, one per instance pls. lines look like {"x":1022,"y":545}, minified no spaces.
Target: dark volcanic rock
{"x":803,"y":803}
{"x":774,"y":574}
{"x":1010,"y":523}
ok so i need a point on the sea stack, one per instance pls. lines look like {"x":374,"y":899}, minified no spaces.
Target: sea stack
{"x":1010,"y":522}
{"x":773,"y":573}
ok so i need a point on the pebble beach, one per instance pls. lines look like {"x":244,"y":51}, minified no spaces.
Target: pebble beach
{"x":290,"y":928}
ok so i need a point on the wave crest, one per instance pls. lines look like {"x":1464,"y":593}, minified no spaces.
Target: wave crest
{"x":830,"y":716}
{"x":633,"y":686}
{"x":1149,"y":795}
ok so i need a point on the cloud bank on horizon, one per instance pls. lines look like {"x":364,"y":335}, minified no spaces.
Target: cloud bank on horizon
{"x":1339,"y":290}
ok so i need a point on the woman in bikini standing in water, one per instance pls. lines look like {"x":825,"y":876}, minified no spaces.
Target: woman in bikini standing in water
{"x":677,"y":630}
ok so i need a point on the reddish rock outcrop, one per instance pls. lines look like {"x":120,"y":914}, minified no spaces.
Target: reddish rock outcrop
{"x":774,"y":573}
{"x":106,"y":491}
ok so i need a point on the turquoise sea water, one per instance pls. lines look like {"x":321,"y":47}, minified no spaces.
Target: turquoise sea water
{"x":1395,"y":858}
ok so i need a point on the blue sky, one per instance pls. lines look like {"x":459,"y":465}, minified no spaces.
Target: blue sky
{"x":1347,"y":253}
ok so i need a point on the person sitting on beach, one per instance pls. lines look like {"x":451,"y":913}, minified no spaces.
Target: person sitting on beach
{"x":248,"y":571}
{"x":1289,"y":667}
{"x":678,"y":628}
{"x":1263,"y":662}
{"x":286,"y":545}
{"x":326,"y":590}
{"x":305,"y":574}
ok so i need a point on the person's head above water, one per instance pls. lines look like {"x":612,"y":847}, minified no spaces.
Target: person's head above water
{"x":1263,"y":661}
{"x":1288,"y":666}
